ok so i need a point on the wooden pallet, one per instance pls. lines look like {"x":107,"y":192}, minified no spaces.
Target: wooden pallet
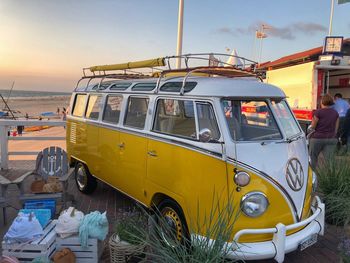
{"x":90,"y":254}
{"x":44,"y":246}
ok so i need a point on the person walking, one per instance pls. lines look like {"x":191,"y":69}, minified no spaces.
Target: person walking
{"x":325,"y":124}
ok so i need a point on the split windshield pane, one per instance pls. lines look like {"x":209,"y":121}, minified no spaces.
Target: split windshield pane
{"x":250,"y":120}
{"x":285,"y":117}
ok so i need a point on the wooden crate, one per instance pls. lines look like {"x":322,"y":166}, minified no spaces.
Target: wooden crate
{"x":42,"y":247}
{"x":90,"y":254}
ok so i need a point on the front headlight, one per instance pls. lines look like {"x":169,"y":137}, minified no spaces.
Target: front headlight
{"x":254,"y":204}
{"x":314,"y":182}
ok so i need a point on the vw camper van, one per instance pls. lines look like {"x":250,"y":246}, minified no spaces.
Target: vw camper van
{"x":171,"y":138}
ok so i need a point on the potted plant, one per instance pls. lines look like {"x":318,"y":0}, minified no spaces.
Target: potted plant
{"x":128,"y":239}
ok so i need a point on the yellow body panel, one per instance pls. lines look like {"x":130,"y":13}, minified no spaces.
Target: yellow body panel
{"x":77,"y":139}
{"x":193,"y":178}
{"x":278,"y":210}
{"x":110,"y":158}
{"x":132,"y":165}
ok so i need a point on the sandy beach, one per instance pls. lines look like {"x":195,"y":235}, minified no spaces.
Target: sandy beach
{"x":36,"y":105}
{"x":32,"y":146}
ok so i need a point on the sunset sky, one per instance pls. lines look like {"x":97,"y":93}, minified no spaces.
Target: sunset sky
{"x":44,"y":44}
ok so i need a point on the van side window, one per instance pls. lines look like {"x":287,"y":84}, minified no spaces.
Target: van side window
{"x":136,"y":112}
{"x":207,"y":120}
{"x":175,"y":117}
{"x":112,"y":109}
{"x":93,"y":108}
{"x":79,"y":105}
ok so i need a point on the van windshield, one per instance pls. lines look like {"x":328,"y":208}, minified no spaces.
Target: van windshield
{"x":285,"y":117}
{"x":250,"y":120}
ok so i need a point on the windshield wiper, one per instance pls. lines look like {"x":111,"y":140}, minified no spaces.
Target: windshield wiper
{"x":291,"y":139}
{"x":288,"y":140}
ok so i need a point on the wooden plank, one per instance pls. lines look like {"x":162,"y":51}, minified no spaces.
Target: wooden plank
{"x":4,"y":181}
{"x":40,"y":196}
{"x":28,"y":256}
{"x":38,"y":244}
{"x":22,"y":153}
{"x":58,"y":167}
{"x":31,"y":123}
{"x":45,"y":163}
{"x":22,"y":177}
{"x":66,"y":176}
{"x":47,"y":138}
{"x":83,"y":255}
{"x":64,"y":163}
{"x":52,"y":161}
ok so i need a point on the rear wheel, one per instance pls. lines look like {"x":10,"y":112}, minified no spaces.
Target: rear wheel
{"x":86,"y":183}
{"x":173,"y":227}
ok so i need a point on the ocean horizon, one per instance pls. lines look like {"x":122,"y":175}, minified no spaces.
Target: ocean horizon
{"x":30,"y":93}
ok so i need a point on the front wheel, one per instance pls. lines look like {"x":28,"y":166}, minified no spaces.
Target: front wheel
{"x":172,"y":224}
{"x":86,"y":183}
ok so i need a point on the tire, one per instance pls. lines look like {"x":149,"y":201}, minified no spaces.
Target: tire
{"x":173,"y":217}
{"x":86,"y":183}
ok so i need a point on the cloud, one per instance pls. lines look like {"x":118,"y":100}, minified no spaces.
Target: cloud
{"x":288,"y":32}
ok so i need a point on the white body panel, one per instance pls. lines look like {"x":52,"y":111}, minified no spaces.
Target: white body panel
{"x":272,"y":159}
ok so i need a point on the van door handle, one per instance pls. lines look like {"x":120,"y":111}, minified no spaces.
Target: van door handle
{"x":121,"y":145}
{"x":152,"y":153}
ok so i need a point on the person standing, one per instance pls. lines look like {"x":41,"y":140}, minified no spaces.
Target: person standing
{"x":346,"y":132}
{"x":341,"y":106}
{"x":325,"y":124}
{"x":20,"y":129}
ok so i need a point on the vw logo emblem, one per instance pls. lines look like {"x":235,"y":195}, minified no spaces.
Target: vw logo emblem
{"x":295,"y":174}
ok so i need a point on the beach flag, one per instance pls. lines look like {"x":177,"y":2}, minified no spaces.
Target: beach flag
{"x":260,"y":34}
{"x":343,"y":2}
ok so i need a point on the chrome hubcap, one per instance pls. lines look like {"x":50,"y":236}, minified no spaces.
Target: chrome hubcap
{"x":81,"y":177}
{"x":171,"y":227}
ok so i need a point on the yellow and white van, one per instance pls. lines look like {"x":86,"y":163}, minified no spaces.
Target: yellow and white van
{"x":170,"y":140}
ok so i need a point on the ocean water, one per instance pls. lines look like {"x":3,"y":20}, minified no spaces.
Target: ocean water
{"x":30,"y":93}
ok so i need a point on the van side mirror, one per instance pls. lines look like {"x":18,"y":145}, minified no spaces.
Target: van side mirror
{"x":205,"y":135}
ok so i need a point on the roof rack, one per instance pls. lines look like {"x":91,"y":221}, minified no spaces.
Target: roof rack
{"x":235,"y":66}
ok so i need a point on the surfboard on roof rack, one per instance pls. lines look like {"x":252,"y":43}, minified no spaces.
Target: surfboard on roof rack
{"x":201,"y":64}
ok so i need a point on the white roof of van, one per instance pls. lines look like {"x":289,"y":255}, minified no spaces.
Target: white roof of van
{"x":232,"y":87}
{"x":209,"y":87}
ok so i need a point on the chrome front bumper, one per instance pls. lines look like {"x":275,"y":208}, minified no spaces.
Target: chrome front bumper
{"x":280,"y":244}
